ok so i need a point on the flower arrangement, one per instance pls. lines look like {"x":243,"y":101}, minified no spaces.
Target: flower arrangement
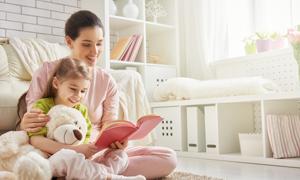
{"x":155,"y":10}
{"x":293,"y":36}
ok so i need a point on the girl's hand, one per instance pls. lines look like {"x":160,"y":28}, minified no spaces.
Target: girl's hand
{"x":87,"y":150}
{"x":34,"y":120}
{"x":118,"y":145}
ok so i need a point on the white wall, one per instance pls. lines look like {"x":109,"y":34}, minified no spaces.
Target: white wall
{"x":36,"y":18}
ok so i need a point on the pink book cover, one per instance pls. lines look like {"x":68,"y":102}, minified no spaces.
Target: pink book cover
{"x":121,"y":130}
{"x":136,"y":48}
{"x":128,"y":50}
{"x":121,"y":46}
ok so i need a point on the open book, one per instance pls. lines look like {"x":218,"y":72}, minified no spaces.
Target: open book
{"x":121,"y":130}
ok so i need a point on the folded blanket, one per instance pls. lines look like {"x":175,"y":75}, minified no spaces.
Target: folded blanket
{"x":187,"y":88}
{"x":133,"y":99}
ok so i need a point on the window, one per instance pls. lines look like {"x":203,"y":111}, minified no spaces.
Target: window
{"x":249,"y":16}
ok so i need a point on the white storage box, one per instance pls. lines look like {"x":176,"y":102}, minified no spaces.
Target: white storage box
{"x":171,"y":132}
{"x":155,"y":75}
{"x":251,"y":144}
{"x":195,"y":129}
{"x":211,"y":130}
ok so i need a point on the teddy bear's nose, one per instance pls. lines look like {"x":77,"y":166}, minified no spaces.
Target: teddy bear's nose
{"x":77,"y":134}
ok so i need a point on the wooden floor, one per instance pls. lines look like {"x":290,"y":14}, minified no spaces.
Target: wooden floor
{"x":237,"y":171}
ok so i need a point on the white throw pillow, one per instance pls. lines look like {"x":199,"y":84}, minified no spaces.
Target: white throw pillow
{"x":16,"y":67}
{"x":3,"y":63}
{"x":187,"y":88}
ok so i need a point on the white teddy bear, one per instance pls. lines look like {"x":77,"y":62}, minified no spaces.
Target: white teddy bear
{"x":21,"y":161}
{"x":67,"y":125}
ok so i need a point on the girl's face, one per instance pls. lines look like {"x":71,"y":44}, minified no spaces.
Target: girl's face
{"x":88,"y":46}
{"x":71,"y":91}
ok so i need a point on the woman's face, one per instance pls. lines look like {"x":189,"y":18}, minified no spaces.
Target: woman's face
{"x":88,"y":45}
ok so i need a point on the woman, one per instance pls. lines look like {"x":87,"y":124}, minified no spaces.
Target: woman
{"x":84,"y":36}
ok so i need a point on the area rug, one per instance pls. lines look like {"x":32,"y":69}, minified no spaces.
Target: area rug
{"x":177,"y":175}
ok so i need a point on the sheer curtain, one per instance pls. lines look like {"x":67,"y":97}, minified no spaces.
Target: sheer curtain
{"x":202,"y":29}
{"x":206,"y":33}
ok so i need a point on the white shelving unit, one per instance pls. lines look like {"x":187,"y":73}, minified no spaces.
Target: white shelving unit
{"x":234,"y":115}
{"x":160,"y":39}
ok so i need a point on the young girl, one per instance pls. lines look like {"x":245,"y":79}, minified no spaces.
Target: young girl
{"x":68,"y":86}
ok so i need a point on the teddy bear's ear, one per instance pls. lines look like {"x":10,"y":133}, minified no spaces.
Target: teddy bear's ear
{"x":11,"y":141}
{"x":8,"y":150}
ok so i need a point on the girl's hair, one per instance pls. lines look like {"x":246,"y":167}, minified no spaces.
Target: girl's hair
{"x":68,"y":68}
{"x":79,"y":20}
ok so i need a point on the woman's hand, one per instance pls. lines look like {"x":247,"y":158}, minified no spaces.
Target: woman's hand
{"x":34,"y":120}
{"x":87,"y":150}
{"x":119,"y":145}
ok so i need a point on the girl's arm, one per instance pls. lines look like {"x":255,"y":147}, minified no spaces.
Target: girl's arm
{"x":50,"y":146}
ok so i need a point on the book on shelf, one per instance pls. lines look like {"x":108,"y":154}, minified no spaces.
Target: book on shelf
{"x":136,"y":48}
{"x":121,"y":130}
{"x":120,"y":47}
{"x":128,"y":51}
{"x":127,"y":48}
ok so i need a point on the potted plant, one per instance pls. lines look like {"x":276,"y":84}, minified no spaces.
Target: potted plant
{"x":263,"y":42}
{"x":278,"y":40}
{"x":250,"y":44}
{"x":268,"y":41}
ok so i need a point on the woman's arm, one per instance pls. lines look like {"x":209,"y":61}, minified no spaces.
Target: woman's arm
{"x":110,"y":110}
{"x":111,"y":102}
{"x":49,"y":146}
{"x":38,"y":84}
{"x":33,"y":120}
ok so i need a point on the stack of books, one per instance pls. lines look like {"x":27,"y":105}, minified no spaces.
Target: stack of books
{"x":127,"y":48}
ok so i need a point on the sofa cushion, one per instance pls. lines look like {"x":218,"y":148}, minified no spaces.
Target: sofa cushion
{"x":16,"y":67}
{"x":3,"y":63}
{"x":10,"y":92}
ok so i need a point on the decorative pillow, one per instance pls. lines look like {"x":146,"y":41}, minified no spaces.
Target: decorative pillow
{"x":3,"y":63}
{"x":16,"y":67}
{"x":187,"y":88}
{"x":284,"y":135}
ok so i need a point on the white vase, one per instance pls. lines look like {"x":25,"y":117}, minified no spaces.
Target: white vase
{"x":112,"y":8}
{"x":131,"y":10}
